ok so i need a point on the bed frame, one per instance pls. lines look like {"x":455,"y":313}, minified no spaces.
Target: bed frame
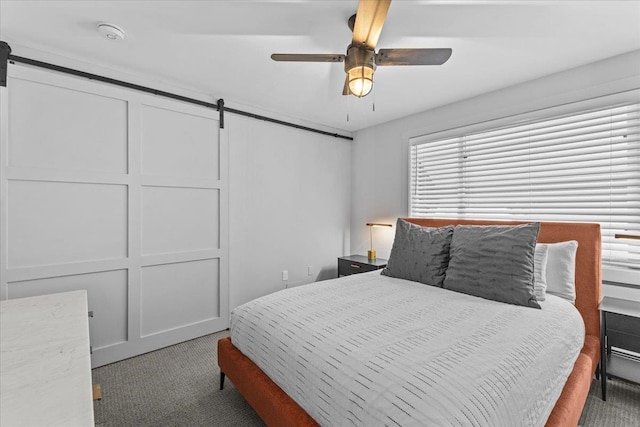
{"x":276,"y":408}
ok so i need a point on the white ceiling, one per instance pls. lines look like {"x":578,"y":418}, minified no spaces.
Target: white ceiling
{"x":222,"y":48}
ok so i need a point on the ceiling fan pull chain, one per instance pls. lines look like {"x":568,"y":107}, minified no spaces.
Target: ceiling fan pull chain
{"x":374,"y":99}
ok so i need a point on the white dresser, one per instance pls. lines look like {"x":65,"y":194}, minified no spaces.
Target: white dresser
{"x":45,"y":366}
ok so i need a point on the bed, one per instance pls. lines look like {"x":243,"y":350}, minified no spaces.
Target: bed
{"x":276,"y":407}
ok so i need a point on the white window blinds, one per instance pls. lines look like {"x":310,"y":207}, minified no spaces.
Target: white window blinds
{"x":579,"y":167}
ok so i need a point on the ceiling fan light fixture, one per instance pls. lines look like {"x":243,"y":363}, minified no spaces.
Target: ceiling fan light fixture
{"x":360,"y":64}
{"x":360,"y":80}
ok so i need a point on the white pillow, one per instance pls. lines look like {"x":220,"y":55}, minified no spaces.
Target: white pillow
{"x":540,"y":271}
{"x":561,"y":269}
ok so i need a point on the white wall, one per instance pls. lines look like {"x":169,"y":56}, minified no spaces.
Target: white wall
{"x":379,"y":157}
{"x":289,"y":206}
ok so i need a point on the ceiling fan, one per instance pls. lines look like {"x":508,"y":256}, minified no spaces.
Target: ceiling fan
{"x":361,"y":59}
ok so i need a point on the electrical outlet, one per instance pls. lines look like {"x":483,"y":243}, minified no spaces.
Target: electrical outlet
{"x":309,"y":271}
{"x":285,"y":275}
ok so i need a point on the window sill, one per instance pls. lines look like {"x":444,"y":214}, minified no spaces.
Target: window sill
{"x":621,"y":276}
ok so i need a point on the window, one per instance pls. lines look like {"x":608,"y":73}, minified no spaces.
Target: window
{"x":578,"y":167}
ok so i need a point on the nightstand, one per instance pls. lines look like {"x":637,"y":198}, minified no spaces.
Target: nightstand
{"x":354,"y":264}
{"x":620,"y":328}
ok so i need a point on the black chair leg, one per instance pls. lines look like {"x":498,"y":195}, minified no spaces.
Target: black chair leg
{"x":221,"y":380}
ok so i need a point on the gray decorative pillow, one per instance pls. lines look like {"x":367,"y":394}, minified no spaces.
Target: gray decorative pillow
{"x":420,"y":254}
{"x":494,"y":262}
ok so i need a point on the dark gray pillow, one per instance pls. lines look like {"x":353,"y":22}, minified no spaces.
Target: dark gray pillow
{"x":494,"y":262}
{"x":420,"y":254}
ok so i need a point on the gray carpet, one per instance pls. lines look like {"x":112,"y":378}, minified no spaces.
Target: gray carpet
{"x":174,"y":386}
{"x":178,"y":386}
{"x":622,"y":407}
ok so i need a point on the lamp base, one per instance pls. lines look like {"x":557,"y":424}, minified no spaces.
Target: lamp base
{"x":371,"y":254}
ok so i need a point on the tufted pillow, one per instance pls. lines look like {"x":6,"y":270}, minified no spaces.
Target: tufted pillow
{"x":494,"y":262}
{"x":420,"y":254}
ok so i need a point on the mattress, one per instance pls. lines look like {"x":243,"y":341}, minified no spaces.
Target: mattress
{"x":371,"y":350}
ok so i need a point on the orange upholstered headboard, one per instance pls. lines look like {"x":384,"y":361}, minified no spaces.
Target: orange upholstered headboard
{"x":588,"y":258}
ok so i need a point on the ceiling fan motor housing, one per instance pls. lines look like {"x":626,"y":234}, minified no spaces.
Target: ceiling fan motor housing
{"x":359,"y":56}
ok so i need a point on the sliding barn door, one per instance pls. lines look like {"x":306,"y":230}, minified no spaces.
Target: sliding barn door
{"x":120,"y":193}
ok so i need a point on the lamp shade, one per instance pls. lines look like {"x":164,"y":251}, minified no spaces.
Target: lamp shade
{"x":360,"y":80}
{"x":372,"y":253}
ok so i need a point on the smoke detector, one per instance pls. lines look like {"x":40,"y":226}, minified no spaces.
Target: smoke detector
{"x":110,"y":31}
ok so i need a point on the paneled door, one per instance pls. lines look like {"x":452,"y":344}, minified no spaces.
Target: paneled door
{"x":118,"y":192}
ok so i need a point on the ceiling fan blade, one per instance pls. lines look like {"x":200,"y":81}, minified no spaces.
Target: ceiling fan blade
{"x":369,"y":21}
{"x":308,"y":57}
{"x":345,"y":89}
{"x":413,"y":56}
